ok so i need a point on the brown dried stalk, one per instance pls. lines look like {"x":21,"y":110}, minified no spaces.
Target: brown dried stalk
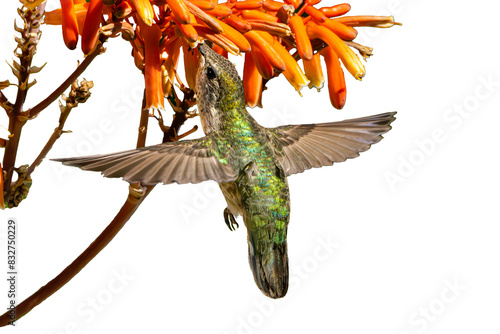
{"x":30,"y":36}
{"x":136,"y":196}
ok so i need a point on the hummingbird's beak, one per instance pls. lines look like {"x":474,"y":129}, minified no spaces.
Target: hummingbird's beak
{"x":202,"y":53}
{"x":200,"y":50}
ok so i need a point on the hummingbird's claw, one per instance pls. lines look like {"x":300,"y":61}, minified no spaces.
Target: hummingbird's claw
{"x":230,"y":220}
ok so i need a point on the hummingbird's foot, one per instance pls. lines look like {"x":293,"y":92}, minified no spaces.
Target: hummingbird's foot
{"x":230,"y":220}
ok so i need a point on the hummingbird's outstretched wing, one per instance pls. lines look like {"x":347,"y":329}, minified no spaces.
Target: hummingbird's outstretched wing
{"x":187,"y":161}
{"x":301,"y":147}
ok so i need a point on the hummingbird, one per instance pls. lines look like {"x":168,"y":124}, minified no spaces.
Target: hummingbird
{"x":250,"y":162}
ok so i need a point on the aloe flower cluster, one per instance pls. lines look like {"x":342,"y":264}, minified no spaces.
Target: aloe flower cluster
{"x":272,"y":35}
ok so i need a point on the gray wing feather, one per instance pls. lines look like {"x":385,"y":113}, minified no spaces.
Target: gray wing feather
{"x":189,"y":161}
{"x":301,"y":147}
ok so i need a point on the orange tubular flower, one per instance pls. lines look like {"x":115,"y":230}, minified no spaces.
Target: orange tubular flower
{"x":54,"y":17}
{"x":238,"y":23}
{"x":256,"y":15}
{"x":218,"y":39}
{"x":304,"y":47}
{"x":204,"y":17}
{"x":345,"y":32}
{"x":368,"y":21}
{"x":336,"y":10}
{"x":172,"y":51}
{"x":220,"y":11}
{"x":204,"y":5}
{"x":145,"y":10}
{"x":266,"y":30}
{"x":152,"y":70}
{"x":314,"y":73}
{"x":269,"y":52}
{"x":293,"y":73}
{"x":91,"y":26}
{"x":190,"y":64}
{"x":348,"y":57}
{"x":248,"y":4}
{"x":187,"y":31}
{"x":69,"y":24}
{"x":272,"y":6}
{"x":220,"y":51}
{"x":315,"y":14}
{"x":265,"y":69}
{"x":235,"y":36}
{"x":180,"y":11}
{"x":252,"y":83}
{"x":336,"y":81}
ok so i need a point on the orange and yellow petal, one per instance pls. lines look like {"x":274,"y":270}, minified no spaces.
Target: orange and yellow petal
{"x":235,"y":36}
{"x":220,"y":11}
{"x":171,"y":54}
{"x":315,"y":14}
{"x":220,"y":51}
{"x":204,"y":5}
{"x":272,"y":6}
{"x":145,"y":10}
{"x":336,"y":10}
{"x":190,"y":64}
{"x":248,"y":4}
{"x":91,"y":27}
{"x":257,"y":41}
{"x":238,"y":23}
{"x":180,"y":11}
{"x":349,"y":59}
{"x":265,"y":69}
{"x":69,"y":24}
{"x":304,"y":47}
{"x":152,"y":61}
{"x":313,"y":71}
{"x":343,"y":31}
{"x":252,"y":83}
{"x":336,"y":82}
{"x":293,"y":73}
{"x":258,"y":15}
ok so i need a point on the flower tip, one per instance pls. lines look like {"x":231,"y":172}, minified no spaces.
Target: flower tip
{"x":72,"y":44}
{"x":145,"y":11}
{"x":148,"y":21}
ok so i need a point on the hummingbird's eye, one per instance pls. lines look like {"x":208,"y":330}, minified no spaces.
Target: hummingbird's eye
{"x":211,"y":73}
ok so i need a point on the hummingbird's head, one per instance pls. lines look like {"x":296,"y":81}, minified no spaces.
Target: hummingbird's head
{"x":218,"y":88}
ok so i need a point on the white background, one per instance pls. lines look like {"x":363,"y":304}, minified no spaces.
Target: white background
{"x":398,"y":248}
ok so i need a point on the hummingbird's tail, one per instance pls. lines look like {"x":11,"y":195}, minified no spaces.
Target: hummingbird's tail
{"x":269,"y":264}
